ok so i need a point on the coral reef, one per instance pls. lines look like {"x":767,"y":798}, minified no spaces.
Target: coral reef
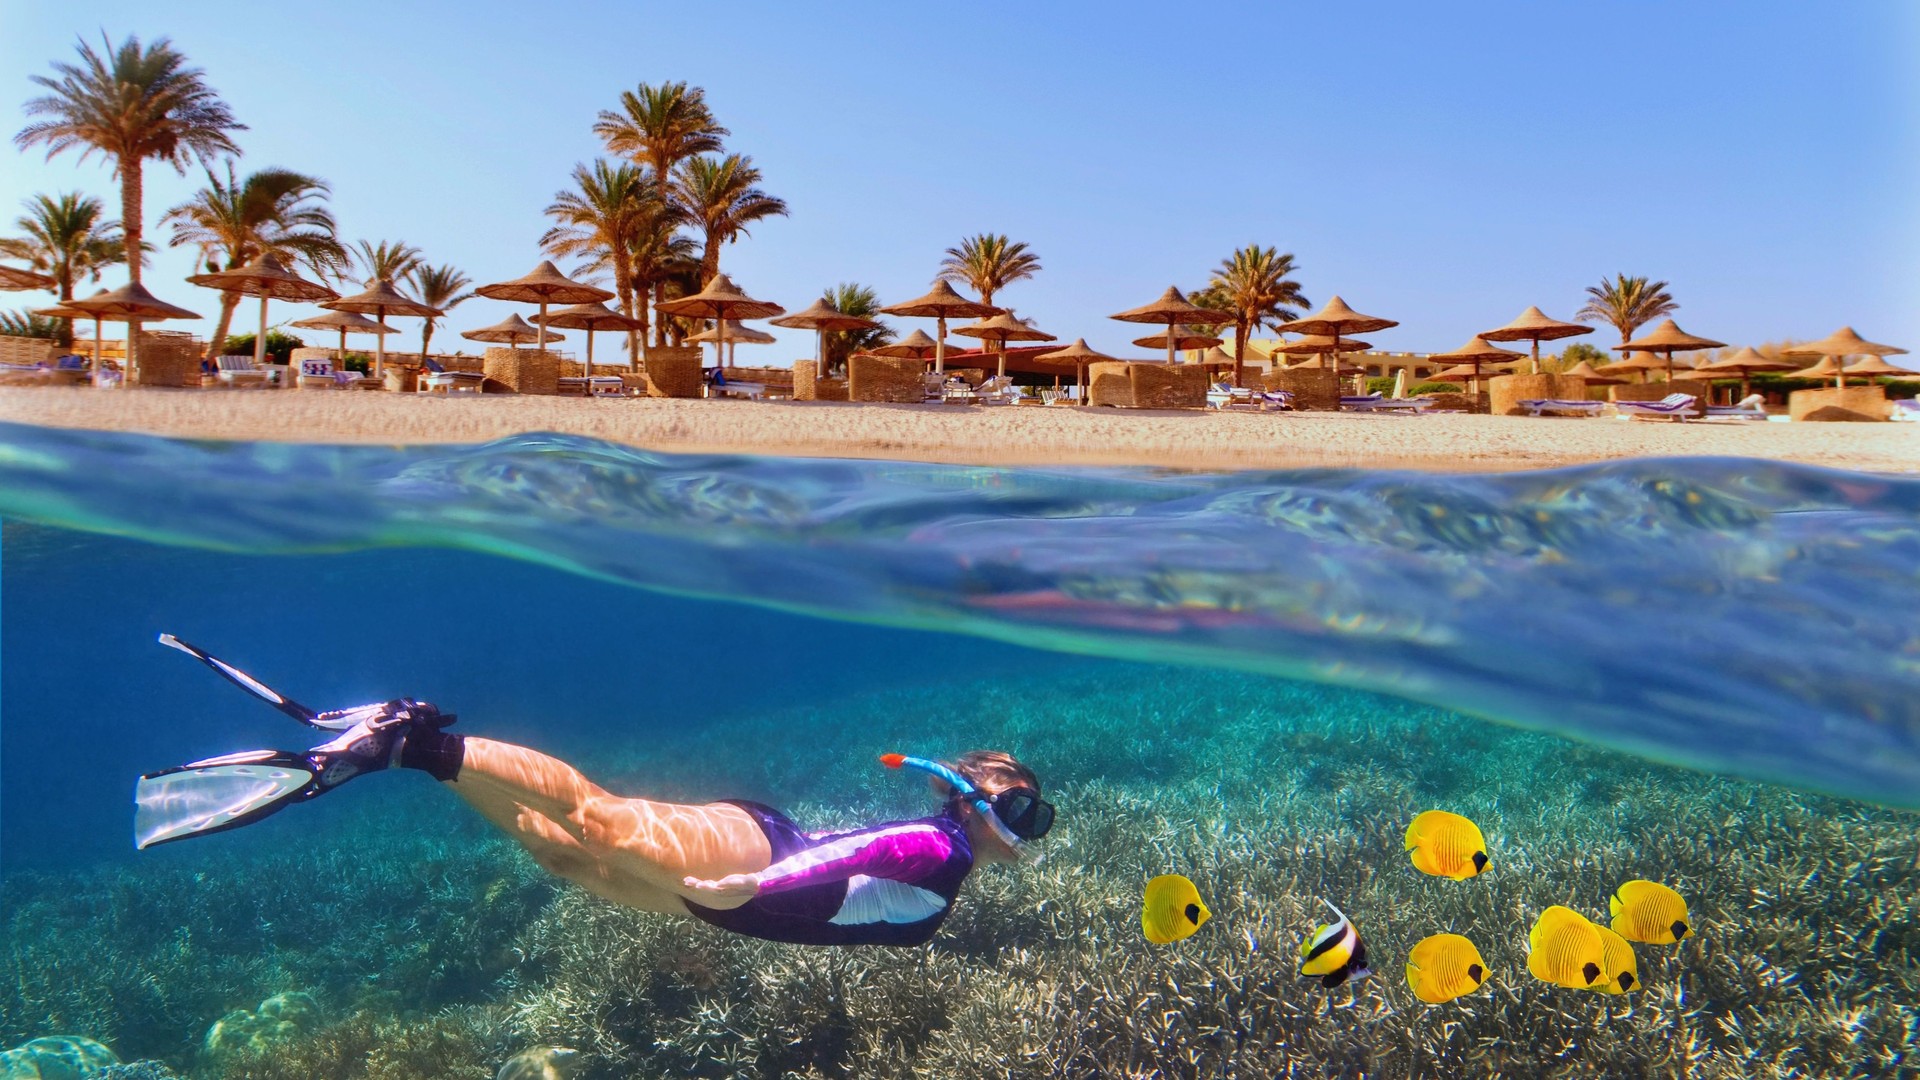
{"x":1268,"y":795}
{"x":55,"y":1057}
{"x":279,"y":1019}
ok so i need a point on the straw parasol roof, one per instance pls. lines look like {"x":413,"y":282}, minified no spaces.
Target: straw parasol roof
{"x":1469,"y":359}
{"x":1079,"y":354}
{"x":1844,"y":343}
{"x":380,"y":299}
{"x":1873,"y":365}
{"x":915,"y":346}
{"x":512,"y":330}
{"x":999,"y":330}
{"x":1334,"y":319}
{"x":821,"y":317}
{"x":267,"y":278}
{"x":1316,"y":345}
{"x":592,"y":318}
{"x":125,"y":304}
{"x":59,"y":311}
{"x":1593,"y":375}
{"x":1535,"y":326}
{"x":721,"y":300}
{"x":1184,"y":337}
{"x":1174,"y":309}
{"x":1215,"y":357}
{"x":14,"y":279}
{"x":545,"y":284}
{"x":1667,"y":339}
{"x":736,"y":332}
{"x":940,"y":304}
{"x":1829,"y":367}
{"x":1320,"y":362}
{"x":346,"y":322}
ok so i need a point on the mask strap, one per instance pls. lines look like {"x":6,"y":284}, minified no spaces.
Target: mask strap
{"x":963,"y":788}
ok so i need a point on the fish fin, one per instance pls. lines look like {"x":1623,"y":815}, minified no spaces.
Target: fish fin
{"x":1334,"y":978}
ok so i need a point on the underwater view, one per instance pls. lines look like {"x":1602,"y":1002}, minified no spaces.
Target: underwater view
{"x":1606,"y":771}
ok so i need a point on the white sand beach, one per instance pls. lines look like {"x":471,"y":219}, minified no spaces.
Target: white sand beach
{"x":1022,"y":435}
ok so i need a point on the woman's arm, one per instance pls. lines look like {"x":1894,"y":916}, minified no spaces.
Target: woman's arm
{"x":897,"y":852}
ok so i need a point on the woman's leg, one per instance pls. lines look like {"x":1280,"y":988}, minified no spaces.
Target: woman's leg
{"x":631,"y":851}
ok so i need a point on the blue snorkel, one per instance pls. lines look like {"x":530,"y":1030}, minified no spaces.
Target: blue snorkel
{"x":964,"y":789}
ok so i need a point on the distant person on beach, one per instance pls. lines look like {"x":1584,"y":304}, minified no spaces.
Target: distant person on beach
{"x":738,"y":865}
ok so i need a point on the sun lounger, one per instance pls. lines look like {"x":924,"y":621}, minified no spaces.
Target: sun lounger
{"x":1906,"y":409}
{"x":238,"y":372}
{"x":593,"y":385}
{"x":1751,"y":407}
{"x":435,"y":376}
{"x":998,"y":391}
{"x":1561,"y":407}
{"x":1275,"y":399}
{"x":1671,"y":407}
{"x":751,"y":390}
{"x":1379,"y":403}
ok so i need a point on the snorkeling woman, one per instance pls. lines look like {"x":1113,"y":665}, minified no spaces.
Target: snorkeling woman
{"x":738,"y":865}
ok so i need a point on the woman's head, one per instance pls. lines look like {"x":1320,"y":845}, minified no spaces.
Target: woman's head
{"x":1013,"y":791}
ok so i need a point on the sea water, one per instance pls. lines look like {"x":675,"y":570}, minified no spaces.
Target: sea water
{"x":1703,"y":672}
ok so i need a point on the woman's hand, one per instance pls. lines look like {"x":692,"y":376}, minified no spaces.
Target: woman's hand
{"x":731,"y":887}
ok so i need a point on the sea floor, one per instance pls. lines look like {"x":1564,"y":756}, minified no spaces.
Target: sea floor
{"x":385,"y":932}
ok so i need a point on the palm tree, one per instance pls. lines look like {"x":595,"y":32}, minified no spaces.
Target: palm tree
{"x":988,"y":263}
{"x":131,"y":104}
{"x":388,"y":260}
{"x":852,"y":299}
{"x":661,"y":254}
{"x":437,"y":287}
{"x":720,"y":199}
{"x":661,"y":126}
{"x":1628,"y":303}
{"x":66,"y":239}
{"x":614,"y":206}
{"x":274,"y":211}
{"x":1255,"y":285}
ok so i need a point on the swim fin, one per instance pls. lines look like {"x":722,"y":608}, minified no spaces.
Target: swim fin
{"x":226,"y":792}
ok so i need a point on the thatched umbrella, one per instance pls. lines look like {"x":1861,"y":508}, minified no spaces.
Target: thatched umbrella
{"x":1001,"y":329}
{"x":940,"y":304}
{"x":731,"y":335}
{"x":1171,"y":310}
{"x":544,"y":285}
{"x":380,"y":300}
{"x":347,"y":323}
{"x":128,"y":303}
{"x":267,"y":278}
{"x":1873,"y":366}
{"x":512,"y":330}
{"x":1841,"y":344}
{"x":915,"y":346}
{"x":820,"y":317}
{"x":1667,"y":339}
{"x":1184,"y":338}
{"x":1536,"y":327}
{"x":14,"y":279}
{"x":592,"y":318}
{"x":1474,"y":353}
{"x":721,"y":300}
{"x":1827,"y":368}
{"x":1640,"y":362}
{"x":1593,"y":375}
{"x":1334,"y":319}
{"x":1216,"y":357}
{"x":1744,"y":363}
{"x":1079,"y":354}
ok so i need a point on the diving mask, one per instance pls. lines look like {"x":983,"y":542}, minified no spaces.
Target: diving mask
{"x":1016,"y":815}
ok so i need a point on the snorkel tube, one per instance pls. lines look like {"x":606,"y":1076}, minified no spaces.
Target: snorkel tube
{"x":963,"y":788}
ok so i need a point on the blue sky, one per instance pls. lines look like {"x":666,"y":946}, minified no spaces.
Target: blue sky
{"x":1443,"y":165}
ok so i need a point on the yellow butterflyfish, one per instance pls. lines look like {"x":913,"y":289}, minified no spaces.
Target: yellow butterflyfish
{"x":1443,"y":967}
{"x":1565,"y":949}
{"x":1446,"y":845}
{"x":1649,"y":911}
{"x":1172,"y":909}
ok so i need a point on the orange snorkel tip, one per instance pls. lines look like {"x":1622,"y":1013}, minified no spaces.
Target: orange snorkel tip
{"x":893,"y":761}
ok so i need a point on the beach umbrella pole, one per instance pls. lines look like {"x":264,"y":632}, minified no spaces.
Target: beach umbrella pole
{"x":259,"y":339}
{"x":96,"y":350}
{"x":940,"y":347}
{"x":380,"y":349}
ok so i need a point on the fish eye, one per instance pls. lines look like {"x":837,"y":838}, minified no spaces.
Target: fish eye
{"x":1193,"y":914}
{"x":1591,"y":971}
{"x":1680,"y":929}
{"x":1477,"y":973}
{"x":1479,"y":861}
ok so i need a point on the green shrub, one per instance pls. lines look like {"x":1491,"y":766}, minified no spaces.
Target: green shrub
{"x":1433,"y":388}
{"x":359,"y":362}
{"x":280,"y":346}
{"x":1380,"y":384}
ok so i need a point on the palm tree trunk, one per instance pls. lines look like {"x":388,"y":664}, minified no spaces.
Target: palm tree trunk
{"x":229,"y":302}
{"x":710,"y":259}
{"x":1239,"y":351}
{"x":426,"y":335}
{"x":64,"y":335}
{"x":131,"y":192}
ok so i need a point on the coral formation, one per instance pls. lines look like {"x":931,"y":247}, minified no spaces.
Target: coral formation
{"x":279,"y":1019}
{"x":1269,"y":795}
{"x":56,"y":1057}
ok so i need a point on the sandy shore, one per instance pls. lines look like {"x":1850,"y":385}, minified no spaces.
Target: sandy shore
{"x":1024,"y":435}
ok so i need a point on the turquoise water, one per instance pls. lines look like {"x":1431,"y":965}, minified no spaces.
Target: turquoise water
{"x":1705,"y":672}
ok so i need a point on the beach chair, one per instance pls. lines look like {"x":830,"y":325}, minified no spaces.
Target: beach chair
{"x":1380,"y":403}
{"x":1906,"y":410}
{"x":1561,"y":407}
{"x":593,"y":385}
{"x":435,"y":376}
{"x":1671,"y":407}
{"x":239,"y":373}
{"x":936,"y":387}
{"x":998,"y":390}
{"x":1751,"y":407}
{"x":957,"y":392}
{"x":317,"y":374}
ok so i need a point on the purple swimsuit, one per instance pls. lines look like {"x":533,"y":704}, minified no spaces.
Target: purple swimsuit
{"x":889,"y":884}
